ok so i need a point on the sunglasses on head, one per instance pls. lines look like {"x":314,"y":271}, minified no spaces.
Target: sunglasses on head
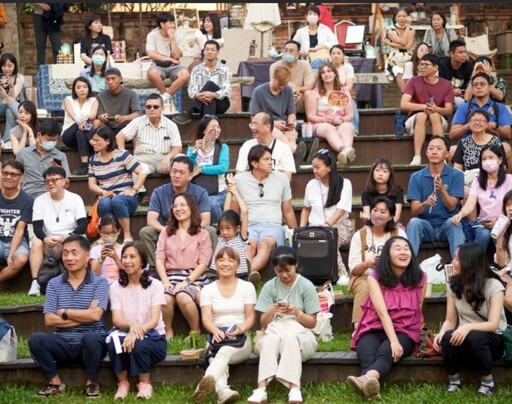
{"x":323,"y":152}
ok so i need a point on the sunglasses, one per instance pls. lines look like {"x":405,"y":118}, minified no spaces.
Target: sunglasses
{"x":322,"y":152}
{"x":261,"y":193}
{"x":152,"y":106}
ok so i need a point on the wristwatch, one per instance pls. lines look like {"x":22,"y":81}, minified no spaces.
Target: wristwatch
{"x":64,"y":315}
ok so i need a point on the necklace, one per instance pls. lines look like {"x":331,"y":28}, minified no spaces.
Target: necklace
{"x":57,"y":211}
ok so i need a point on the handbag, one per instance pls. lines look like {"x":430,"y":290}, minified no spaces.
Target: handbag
{"x":50,"y":268}
{"x":8,"y":342}
{"x":163,"y":63}
{"x":507,"y":340}
{"x":213,"y":347}
{"x":426,"y":349}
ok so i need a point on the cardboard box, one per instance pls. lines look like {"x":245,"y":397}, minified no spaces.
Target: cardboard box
{"x":504,"y":42}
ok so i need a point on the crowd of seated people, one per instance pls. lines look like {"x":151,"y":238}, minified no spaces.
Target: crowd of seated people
{"x":180,"y":245}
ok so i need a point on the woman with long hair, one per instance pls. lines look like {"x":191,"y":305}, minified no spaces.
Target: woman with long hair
{"x":487,"y":191}
{"x":389,"y":328}
{"x":80,"y":109}
{"x":227,"y":311}
{"x":328,"y":202}
{"x":136,"y":302}
{"x":411,"y":67}
{"x":210,"y":30}
{"x":11,"y":86}
{"x":438,"y":37}
{"x":211,"y":160}
{"x":330,"y":109}
{"x":366,"y":247}
{"x":183,"y":252}
{"x":93,"y":37}
{"x":503,"y":255}
{"x":381,"y":182}
{"x":95,"y":73}
{"x":471,"y":333}
{"x":400,"y":37}
{"x":288,"y":304}
{"x":24,"y":134}
{"x":110,"y":177}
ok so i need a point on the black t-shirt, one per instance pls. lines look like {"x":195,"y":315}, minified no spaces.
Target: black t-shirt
{"x":459,"y":78}
{"x":367,"y":198}
{"x":102,"y":39}
{"x":12,"y":211}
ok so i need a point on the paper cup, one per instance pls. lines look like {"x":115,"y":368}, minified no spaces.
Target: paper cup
{"x":428,"y":290}
{"x":500,"y":226}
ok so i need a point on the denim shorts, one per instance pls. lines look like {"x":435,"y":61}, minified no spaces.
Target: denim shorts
{"x":259,"y":230}
{"x":6,"y":245}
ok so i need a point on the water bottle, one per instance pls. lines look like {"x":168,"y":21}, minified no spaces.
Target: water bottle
{"x":399,"y":124}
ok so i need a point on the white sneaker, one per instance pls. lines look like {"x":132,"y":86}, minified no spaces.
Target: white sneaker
{"x":343,"y":280}
{"x":416,"y":161}
{"x":7,"y":145}
{"x":35,"y":290}
{"x":165,"y":96}
{"x":259,"y":396}
{"x":295,"y":396}
{"x":226,"y":395}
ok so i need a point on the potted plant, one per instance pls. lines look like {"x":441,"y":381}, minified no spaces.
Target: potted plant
{"x":193,"y":353}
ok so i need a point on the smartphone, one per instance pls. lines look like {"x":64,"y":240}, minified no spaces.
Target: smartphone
{"x":2,"y":74}
{"x":109,"y":246}
{"x":58,"y":162}
{"x":431,"y":100}
{"x":111,"y":118}
{"x":231,"y":329}
{"x":282,"y":303}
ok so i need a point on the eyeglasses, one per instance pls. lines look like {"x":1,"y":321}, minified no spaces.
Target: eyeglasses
{"x":49,"y":181}
{"x":479,"y":84}
{"x":210,"y":116}
{"x":152,"y":106}
{"x":252,"y":125}
{"x":261,"y":193}
{"x":10,"y":174}
{"x":425,"y":65}
{"x":477,"y":120}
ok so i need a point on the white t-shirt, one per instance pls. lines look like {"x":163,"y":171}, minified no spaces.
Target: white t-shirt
{"x":69,"y":210}
{"x":202,"y":38}
{"x":230,"y":310}
{"x":346,"y":71}
{"x":77,"y":110}
{"x":282,"y":157}
{"x":315,"y":197}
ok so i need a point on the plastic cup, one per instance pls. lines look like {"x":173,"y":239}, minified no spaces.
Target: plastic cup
{"x":500,"y":226}
{"x":307,"y":130}
{"x":428,"y":290}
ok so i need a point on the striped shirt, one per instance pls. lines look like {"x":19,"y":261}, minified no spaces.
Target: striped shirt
{"x":61,"y":295}
{"x":239,"y":245}
{"x":151,"y":140}
{"x":115,"y":175}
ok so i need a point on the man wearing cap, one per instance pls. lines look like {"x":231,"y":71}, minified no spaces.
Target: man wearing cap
{"x":117,"y":105}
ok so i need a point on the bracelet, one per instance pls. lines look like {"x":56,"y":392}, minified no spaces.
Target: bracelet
{"x":188,"y":280}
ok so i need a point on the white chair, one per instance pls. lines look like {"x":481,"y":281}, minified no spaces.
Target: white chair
{"x":479,"y":46}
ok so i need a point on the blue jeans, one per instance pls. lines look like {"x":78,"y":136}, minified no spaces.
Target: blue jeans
{"x":355,"y":120}
{"x":419,"y":230}
{"x":145,"y":354}
{"x":121,"y":206}
{"x":10,"y":111}
{"x":217,"y":206}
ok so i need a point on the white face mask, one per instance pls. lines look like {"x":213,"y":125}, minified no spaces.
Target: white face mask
{"x":312,"y":19}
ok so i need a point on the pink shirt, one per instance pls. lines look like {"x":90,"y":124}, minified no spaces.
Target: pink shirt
{"x":184,"y":254}
{"x":403,"y":306}
{"x":490,"y":200}
{"x":109,"y":269}
{"x":135,"y":303}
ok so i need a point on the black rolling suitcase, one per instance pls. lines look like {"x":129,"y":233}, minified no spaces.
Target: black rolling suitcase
{"x":316,"y":253}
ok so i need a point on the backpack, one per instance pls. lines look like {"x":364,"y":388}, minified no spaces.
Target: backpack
{"x":50,"y":268}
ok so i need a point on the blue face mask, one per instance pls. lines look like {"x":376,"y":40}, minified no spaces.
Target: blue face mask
{"x":288,"y":58}
{"x":48,"y":145}
{"x":98,"y":60}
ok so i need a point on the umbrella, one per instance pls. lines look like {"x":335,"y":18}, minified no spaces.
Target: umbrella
{"x":263,"y":17}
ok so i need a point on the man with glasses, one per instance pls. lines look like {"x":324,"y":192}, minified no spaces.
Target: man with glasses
{"x":429,"y":100}
{"x":457,"y":69}
{"x":160,"y":203}
{"x":303,"y":78}
{"x":118,"y":105}
{"x":209,"y":87}
{"x":267,"y":195}
{"x":261,"y":127}
{"x":499,"y":116}
{"x":276,"y":98}
{"x":15,"y":214}
{"x":157,"y":139}
{"x":41,"y":156}
{"x":56,"y":214}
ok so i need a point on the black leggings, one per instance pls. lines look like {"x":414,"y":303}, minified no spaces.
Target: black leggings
{"x":374,"y":351}
{"x":478,"y":351}
{"x":74,"y":137}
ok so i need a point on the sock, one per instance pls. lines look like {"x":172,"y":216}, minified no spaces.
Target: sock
{"x":454,"y":379}
{"x":487,"y":382}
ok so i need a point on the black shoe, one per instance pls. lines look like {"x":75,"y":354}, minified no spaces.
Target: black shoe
{"x":181,"y":119}
{"x":300,"y":153}
{"x":312,"y":150}
{"x":484,"y":390}
{"x":83,"y":170}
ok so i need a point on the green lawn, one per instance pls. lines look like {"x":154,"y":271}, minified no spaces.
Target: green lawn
{"x":312,"y":393}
